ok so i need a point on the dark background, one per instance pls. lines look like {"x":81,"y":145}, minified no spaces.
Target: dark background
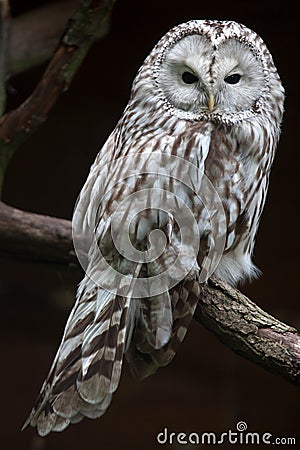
{"x":206,"y":387}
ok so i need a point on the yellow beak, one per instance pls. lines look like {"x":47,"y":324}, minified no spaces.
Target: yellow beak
{"x":211,"y":102}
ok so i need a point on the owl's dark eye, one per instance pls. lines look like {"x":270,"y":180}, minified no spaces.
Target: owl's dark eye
{"x":233,"y":79}
{"x":189,"y":78}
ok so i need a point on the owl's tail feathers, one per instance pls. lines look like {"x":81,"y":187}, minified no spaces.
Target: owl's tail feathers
{"x":87,"y":367}
{"x":155,"y":325}
{"x":145,"y":359}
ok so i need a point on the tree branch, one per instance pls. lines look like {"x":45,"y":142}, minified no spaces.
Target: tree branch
{"x":36,"y":238}
{"x":248,"y":330}
{"x":35,"y":34}
{"x":236,"y":320}
{"x":232,"y":317}
{"x":17,"y":125}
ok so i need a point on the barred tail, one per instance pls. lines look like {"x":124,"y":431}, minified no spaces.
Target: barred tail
{"x":143,"y":357}
{"x":86,"y":370}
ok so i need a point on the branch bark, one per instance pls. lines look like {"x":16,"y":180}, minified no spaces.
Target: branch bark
{"x":238,"y":322}
{"x":248,"y":330}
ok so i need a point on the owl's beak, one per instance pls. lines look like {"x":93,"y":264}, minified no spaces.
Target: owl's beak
{"x":211,"y":102}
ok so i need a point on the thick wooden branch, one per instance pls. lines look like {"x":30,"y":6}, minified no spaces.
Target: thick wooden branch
{"x":248,"y":330}
{"x":233,"y":318}
{"x":33,"y":237}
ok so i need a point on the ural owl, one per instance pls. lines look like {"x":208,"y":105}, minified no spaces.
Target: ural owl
{"x":175,"y":194}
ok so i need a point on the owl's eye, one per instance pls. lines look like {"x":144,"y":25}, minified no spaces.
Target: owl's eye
{"x":233,"y":79}
{"x":189,"y":78}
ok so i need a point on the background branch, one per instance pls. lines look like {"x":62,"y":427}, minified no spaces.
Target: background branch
{"x":82,"y":29}
{"x":231,"y":316}
{"x":35,"y":34}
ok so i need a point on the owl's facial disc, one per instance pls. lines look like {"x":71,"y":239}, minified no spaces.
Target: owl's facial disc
{"x":197,"y":77}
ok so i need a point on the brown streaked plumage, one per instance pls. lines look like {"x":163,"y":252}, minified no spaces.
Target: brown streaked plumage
{"x":175,"y":195}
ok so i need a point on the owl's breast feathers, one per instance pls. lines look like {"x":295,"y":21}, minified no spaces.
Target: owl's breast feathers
{"x":236,"y":159}
{"x":238,"y":164}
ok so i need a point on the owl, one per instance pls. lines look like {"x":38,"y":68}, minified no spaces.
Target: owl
{"x":175,"y":195}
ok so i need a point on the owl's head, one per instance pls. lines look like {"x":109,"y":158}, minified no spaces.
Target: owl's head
{"x":216,"y":70}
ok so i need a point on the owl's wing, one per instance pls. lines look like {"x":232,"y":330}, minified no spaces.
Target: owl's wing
{"x":86,"y":369}
{"x":175,"y":307}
